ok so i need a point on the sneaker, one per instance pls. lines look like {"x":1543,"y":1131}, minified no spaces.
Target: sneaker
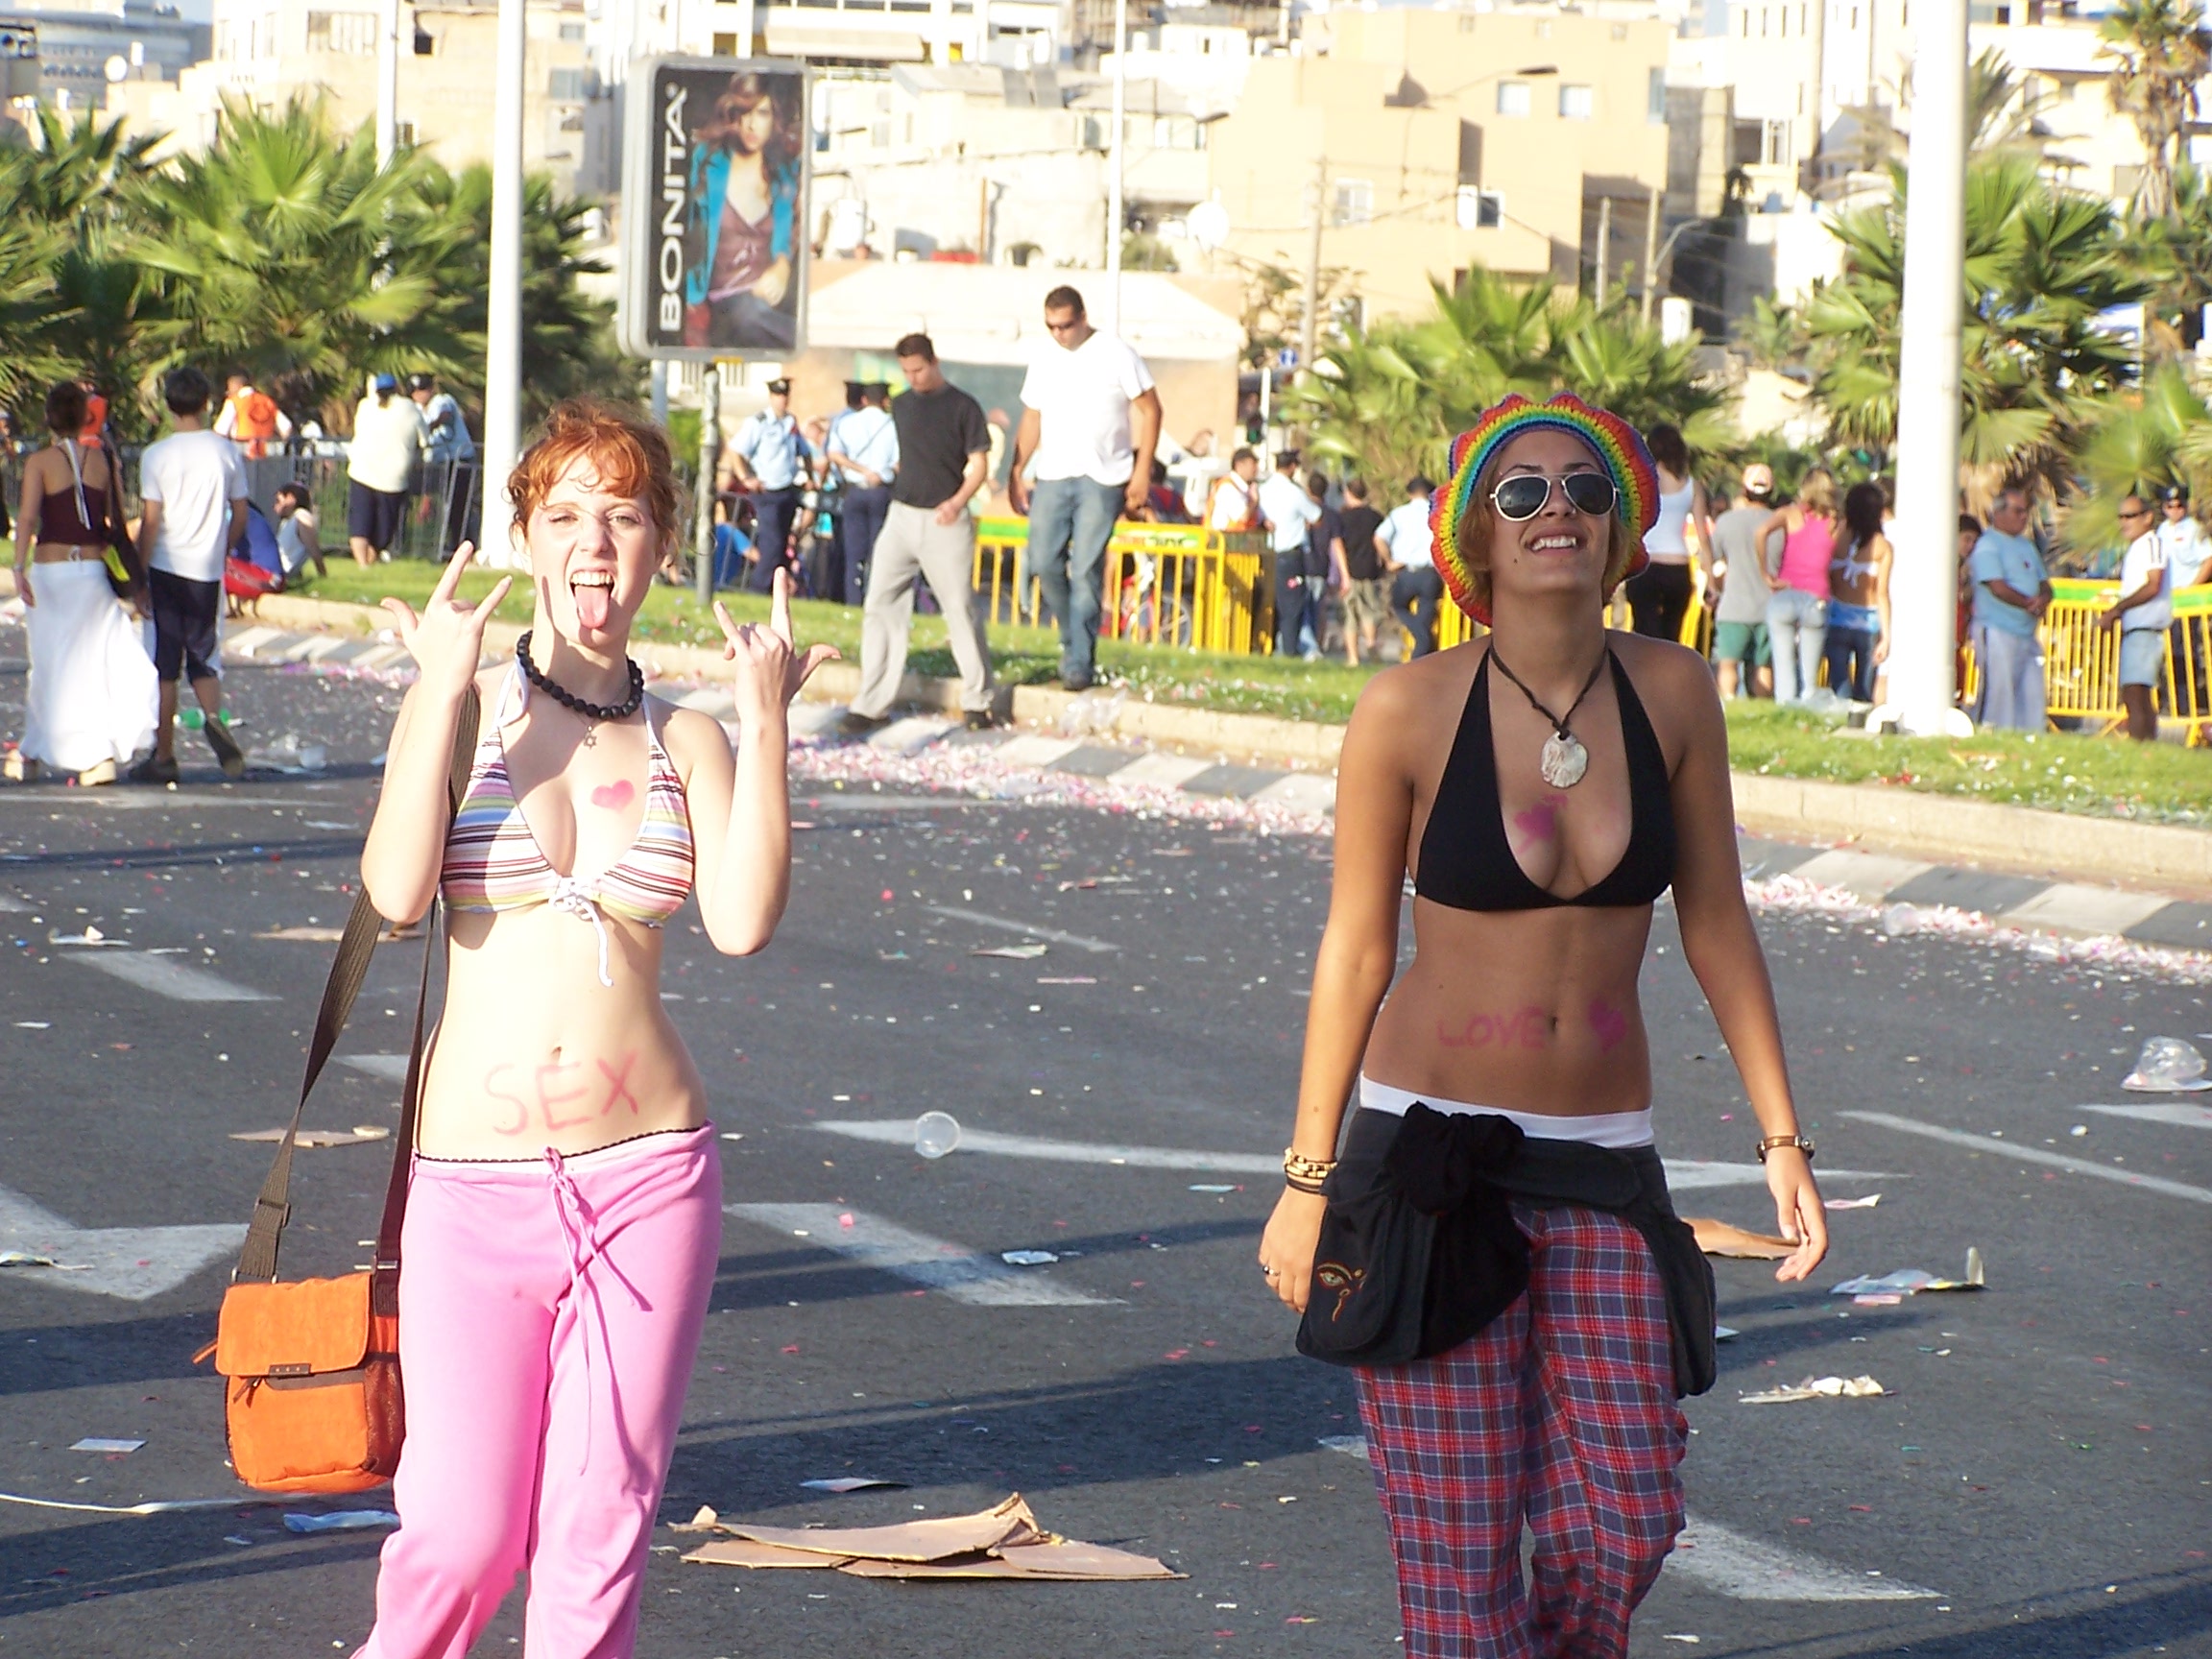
{"x":228,"y":753}
{"x":1074,"y":682}
{"x":854,"y":724}
{"x":981,"y":720}
{"x":154,"y":770}
{"x":92,"y":776}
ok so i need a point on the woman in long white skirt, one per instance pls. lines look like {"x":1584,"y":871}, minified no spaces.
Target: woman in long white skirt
{"x":92,"y":698}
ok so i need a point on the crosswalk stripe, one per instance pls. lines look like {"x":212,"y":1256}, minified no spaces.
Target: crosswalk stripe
{"x":1682,"y":1174}
{"x":130,"y":1262}
{"x":166,"y":977}
{"x":2188,"y":1117}
{"x":951,"y":1269}
{"x":1730,"y":1563}
{"x":1008,"y":925}
{"x":2121,"y":1175}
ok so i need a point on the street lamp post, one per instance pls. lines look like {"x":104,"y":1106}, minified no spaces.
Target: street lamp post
{"x":1116,"y":159}
{"x":503,"y":325}
{"x":1923,"y":580}
{"x":387,"y":81}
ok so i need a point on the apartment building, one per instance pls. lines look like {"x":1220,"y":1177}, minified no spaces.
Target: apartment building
{"x":266,"y":52}
{"x":996,"y":166}
{"x":1797,"y":69}
{"x":1439,"y":140}
{"x":84,"y":46}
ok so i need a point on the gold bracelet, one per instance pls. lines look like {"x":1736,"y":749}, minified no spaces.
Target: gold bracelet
{"x":1312,"y":1170}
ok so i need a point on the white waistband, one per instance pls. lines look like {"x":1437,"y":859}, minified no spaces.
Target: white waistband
{"x":1595,"y":1129}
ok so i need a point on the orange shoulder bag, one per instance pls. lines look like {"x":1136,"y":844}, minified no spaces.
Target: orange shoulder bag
{"x":312,"y":1399}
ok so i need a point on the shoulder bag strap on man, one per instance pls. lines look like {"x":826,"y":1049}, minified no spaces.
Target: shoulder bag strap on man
{"x":273,"y":1208}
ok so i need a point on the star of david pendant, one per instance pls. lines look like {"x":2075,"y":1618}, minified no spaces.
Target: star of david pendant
{"x":1564,"y":760}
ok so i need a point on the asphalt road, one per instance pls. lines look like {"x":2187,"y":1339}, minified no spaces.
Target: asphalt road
{"x":2038,"y":1480}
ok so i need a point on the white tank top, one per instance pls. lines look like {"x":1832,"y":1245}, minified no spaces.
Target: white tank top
{"x":1666,"y":539}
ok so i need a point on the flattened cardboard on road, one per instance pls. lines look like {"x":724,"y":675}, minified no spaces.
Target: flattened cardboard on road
{"x":1001,"y":1542}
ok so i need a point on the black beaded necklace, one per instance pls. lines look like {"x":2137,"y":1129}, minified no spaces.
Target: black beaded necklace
{"x":593,"y":713}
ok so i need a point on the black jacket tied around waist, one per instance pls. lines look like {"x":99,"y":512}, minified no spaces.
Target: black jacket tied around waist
{"x":1419,"y":1250}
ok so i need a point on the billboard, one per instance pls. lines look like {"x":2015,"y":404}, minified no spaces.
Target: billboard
{"x":714,"y":209}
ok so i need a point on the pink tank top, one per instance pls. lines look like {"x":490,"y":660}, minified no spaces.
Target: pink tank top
{"x":1805,"y":555}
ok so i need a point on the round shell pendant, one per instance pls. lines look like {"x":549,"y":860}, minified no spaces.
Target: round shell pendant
{"x":1564,"y":760}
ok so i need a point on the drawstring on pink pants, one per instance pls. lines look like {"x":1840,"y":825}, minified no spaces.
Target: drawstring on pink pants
{"x":584,"y":1251}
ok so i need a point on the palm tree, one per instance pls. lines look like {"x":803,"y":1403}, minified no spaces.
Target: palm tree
{"x":289,"y":253}
{"x":2042,"y":262}
{"x":1388,"y":400}
{"x":2160,"y":50}
{"x":2143,"y":441}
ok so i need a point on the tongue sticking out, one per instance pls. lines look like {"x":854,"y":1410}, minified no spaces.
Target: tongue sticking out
{"x":592,"y":604}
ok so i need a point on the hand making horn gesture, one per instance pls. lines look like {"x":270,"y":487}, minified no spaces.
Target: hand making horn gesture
{"x":448,"y":640}
{"x":770,"y":668}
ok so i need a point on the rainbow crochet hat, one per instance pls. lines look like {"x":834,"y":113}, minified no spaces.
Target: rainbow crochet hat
{"x":1615,"y":442}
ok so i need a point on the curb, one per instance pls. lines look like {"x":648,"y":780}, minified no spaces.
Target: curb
{"x":2022,"y":841}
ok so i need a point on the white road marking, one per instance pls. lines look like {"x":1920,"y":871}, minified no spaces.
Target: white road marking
{"x":169,"y":978}
{"x":956,"y":1271}
{"x":1719,"y":1558}
{"x":2119,"y":1173}
{"x":132,"y":1262}
{"x":2187,"y":1115}
{"x":392,"y":1068}
{"x":1004,"y":925}
{"x":852,"y":802}
{"x":2073,"y":908}
{"x":1869,"y":874}
{"x":1682,"y":1174}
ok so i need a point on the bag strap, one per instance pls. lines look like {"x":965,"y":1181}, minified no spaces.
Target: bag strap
{"x":273,"y":1207}
{"x":118,"y":528}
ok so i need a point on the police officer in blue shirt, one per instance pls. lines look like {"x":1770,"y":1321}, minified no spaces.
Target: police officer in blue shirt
{"x":768,"y":452}
{"x":864,"y":451}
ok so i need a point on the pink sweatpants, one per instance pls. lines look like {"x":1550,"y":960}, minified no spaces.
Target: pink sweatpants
{"x":549,"y":1313}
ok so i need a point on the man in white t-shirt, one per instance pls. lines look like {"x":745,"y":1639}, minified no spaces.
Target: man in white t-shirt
{"x":1090,"y":421}
{"x":1417,"y":586}
{"x":1234,"y":504}
{"x":2142,"y":614}
{"x":1289,"y":511}
{"x":194,"y":487}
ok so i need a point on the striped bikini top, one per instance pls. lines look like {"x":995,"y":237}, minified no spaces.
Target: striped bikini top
{"x":493,"y":862}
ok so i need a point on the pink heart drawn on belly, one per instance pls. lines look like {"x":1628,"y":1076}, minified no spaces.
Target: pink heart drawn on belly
{"x":613,"y":795}
{"x":1609,"y":1022}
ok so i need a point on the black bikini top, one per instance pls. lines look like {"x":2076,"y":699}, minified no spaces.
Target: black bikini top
{"x":1466,"y":861}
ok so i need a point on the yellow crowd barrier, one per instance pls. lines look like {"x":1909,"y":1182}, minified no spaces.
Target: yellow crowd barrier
{"x":2082,"y":660}
{"x":1173,"y":584}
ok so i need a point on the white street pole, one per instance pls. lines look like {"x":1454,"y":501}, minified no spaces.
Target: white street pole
{"x":1116,"y":158}
{"x":503,"y":331}
{"x":1923,"y":580}
{"x":387,"y":81}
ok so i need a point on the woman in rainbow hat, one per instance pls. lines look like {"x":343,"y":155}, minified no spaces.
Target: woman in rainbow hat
{"x":1493,"y":1249}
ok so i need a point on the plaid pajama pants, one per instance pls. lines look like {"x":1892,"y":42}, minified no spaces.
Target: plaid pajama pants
{"x":1560,"y":1414}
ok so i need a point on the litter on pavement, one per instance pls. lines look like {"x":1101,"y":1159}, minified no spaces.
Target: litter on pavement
{"x":1001,"y":1542}
{"x":1027,"y":1258}
{"x":153,"y":1506}
{"x":340,"y":1520}
{"x":1818,"y":1388}
{"x":26,"y":1259}
{"x":937,"y":1133}
{"x":2168,"y":1065}
{"x":844,"y":1483}
{"x":352,"y":1136}
{"x":1726,"y":1239}
{"x":1911,"y":1281}
{"x":1866,"y":1203}
{"x":1020,"y":953}
{"x":306,"y":935}
{"x":99,"y":1443}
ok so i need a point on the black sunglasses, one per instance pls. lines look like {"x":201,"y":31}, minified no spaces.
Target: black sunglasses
{"x":1521,"y":497}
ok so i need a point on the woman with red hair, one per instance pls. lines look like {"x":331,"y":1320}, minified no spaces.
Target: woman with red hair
{"x":1493,"y":1248}
{"x":564,"y":1211}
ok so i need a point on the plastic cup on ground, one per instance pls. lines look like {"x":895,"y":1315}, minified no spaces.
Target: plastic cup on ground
{"x":935,"y":1134}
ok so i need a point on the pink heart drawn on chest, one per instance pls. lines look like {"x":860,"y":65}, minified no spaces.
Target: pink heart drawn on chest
{"x":613,"y":795}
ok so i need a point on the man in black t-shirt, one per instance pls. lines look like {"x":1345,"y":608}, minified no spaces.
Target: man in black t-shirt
{"x":1367,"y":584}
{"x":944,"y":457}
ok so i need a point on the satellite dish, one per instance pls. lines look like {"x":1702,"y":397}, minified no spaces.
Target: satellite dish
{"x":1209,"y":224}
{"x":116,"y":68}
